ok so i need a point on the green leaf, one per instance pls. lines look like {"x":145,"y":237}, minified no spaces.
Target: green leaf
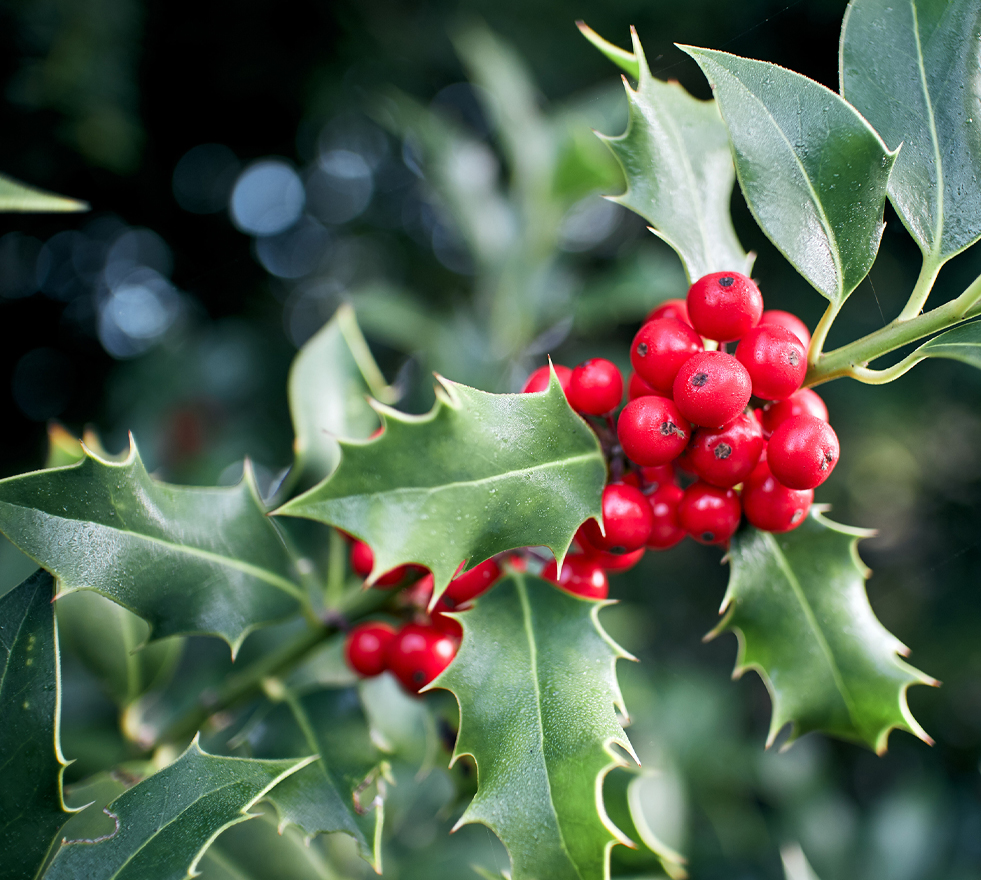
{"x":797,"y":604}
{"x":186,"y":560}
{"x":813,"y":171}
{"x":536,"y":682}
{"x":330,"y":378}
{"x":912,"y":69}
{"x":166,"y":822}
{"x":479,"y":474}
{"x":675,"y":156}
{"x":32,"y":807}
{"x":961,"y":343}
{"x":336,"y":792}
{"x":18,"y":197}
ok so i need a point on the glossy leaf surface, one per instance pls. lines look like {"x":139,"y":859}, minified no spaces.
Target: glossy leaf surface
{"x":330,"y":379}
{"x":797,"y":603}
{"x":18,"y":197}
{"x":186,"y":560}
{"x":912,"y":69}
{"x":961,"y":343}
{"x":169,"y":819}
{"x":813,"y":171}
{"x":31,"y":766}
{"x":479,"y":474}
{"x":331,"y":793}
{"x":675,"y":156}
{"x":536,"y":681}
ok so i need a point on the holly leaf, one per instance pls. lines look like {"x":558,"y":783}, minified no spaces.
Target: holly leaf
{"x":912,"y":69}
{"x":961,"y":343}
{"x":164,"y":824}
{"x":479,"y":474}
{"x":329,"y":381}
{"x":675,"y":157}
{"x":186,"y":560}
{"x":32,"y":806}
{"x":798,"y":606}
{"x":813,"y":171}
{"x":20,"y":198}
{"x":536,"y":682}
{"x":340,"y":790}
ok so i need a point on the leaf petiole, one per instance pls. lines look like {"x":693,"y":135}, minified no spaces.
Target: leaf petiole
{"x":921,"y":291}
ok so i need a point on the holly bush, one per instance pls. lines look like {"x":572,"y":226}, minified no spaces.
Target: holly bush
{"x":216,"y":618}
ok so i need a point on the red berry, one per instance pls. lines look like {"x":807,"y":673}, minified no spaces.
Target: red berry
{"x":776,"y":317}
{"x":654,"y":477}
{"x":664,"y":505}
{"x":637,"y":387}
{"x":366,"y":647}
{"x":627,"y":520}
{"x":709,"y":514}
{"x":776,"y":361}
{"x":419,"y":653}
{"x":726,"y":456}
{"x":724,"y":306}
{"x":538,"y":380}
{"x":471,"y":584}
{"x":660,"y":348}
{"x":652,"y":431}
{"x":363,"y":561}
{"x":595,"y":387}
{"x":803,"y":452}
{"x":616,"y":561}
{"x":581,"y":576}
{"x":804,"y":402}
{"x":446,"y":625}
{"x":671,"y":308}
{"x":712,"y":388}
{"x":771,"y":506}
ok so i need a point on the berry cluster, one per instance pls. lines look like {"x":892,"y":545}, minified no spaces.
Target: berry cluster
{"x":688,"y":422}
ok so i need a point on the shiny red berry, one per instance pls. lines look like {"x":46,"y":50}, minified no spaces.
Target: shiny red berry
{"x":627,"y":520}
{"x":709,"y":514}
{"x":671,"y":308}
{"x":363,"y":561}
{"x":660,"y":348}
{"x":366,"y":647}
{"x":419,"y":653}
{"x":652,"y":431}
{"x":776,"y":361}
{"x":804,"y":402}
{"x":539,"y":379}
{"x":712,"y":388}
{"x":581,"y":576}
{"x":616,"y":561}
{"x":724,"y":306}
{"x":771,"y":506}
{"x":779,"y":318}
{"x":726,"y":456}
{"x":471,"y":584}
{"x":595,"y":387}
{"x":802,"y":452}
{"x":667,"y":530}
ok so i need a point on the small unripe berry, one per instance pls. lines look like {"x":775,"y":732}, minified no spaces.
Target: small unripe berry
{"x":709,"y":514}
{"x":419,"y":653}
{"x":802,"y":452}
{"x":473,"y":583}
{"x":771,"y":506}
{"x":660,"y":348}
{"x":595,"y":387}
{"x":804,"y":402}
{"x":667,"y":530}
{"x":724,"y":306}
{"x":670,"y":308}
{"x":581,"y":576}
{"x":712,"y":388}
{"x":627,"y":520}
{"x":726,"y":456}
{"x":776,"y":361}
{"x":366,"y":647}
{"x":652,"y":431}
{"x":779,"y":318}
{"x":539,"y":379}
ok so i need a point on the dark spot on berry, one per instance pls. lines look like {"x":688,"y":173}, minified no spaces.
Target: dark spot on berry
{"x":793,"y":357}
{"x":642,"y":349}
{"x":797,"y":517}
{"x":708,"y":536}
{"x":669,"y":428}
{"x":699,"y":379}
{"x":726,"y":281}
{"x":828,"y":459}
{"x":722,"y":451}
{"x":419,"y":677}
